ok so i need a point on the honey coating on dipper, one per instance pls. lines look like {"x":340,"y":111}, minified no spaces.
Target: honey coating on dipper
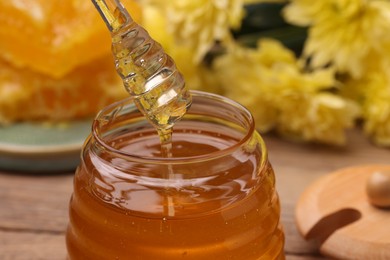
{"x":148,"y":73}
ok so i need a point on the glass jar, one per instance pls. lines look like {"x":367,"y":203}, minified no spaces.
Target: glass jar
{"x":214,"y":198}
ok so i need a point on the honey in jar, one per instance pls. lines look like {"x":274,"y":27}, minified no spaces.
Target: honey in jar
{"x":214,"y":198}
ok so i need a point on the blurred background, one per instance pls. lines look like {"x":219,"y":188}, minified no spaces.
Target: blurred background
{"x":306,"y":70}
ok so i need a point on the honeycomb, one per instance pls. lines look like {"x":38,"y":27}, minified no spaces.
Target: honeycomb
{"x":55,"y":60}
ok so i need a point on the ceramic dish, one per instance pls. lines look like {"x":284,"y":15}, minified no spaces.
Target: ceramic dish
{"x":42,"y":147}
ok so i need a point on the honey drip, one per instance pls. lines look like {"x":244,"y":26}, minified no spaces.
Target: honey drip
{"x":148,"y":73}
{"x":166,"y":151}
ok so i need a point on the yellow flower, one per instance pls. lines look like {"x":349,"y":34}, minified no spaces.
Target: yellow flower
{"x":373,"y":93}
{"x":240,"y":73}
{"x":263,"y":1}
{"x":197,"y":76}
{"x":343,"y":33}
{"x":320,"y":117}
{"x":270,"y":83}
{"x":199,"y":24}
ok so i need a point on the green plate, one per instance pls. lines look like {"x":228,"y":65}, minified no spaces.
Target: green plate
{"x":42,"y":147}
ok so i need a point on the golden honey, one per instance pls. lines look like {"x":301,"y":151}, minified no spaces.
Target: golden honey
{"x":214,"y":198}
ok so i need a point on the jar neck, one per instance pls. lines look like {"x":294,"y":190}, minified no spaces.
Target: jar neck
{"x":218,"y":159}
{"x":220,"y":113}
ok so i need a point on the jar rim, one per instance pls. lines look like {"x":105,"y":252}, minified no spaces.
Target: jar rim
{"x":179,"y":160}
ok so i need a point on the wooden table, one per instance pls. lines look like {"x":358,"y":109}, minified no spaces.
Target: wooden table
{"x":34,"y":208}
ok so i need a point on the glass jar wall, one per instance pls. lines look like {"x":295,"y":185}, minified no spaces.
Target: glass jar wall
{"x":214,"y":198}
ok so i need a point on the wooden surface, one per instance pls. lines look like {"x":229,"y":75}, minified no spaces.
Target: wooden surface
{"x":33,"y":208}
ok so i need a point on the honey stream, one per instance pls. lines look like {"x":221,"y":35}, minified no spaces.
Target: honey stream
{"x":148,"y":74}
